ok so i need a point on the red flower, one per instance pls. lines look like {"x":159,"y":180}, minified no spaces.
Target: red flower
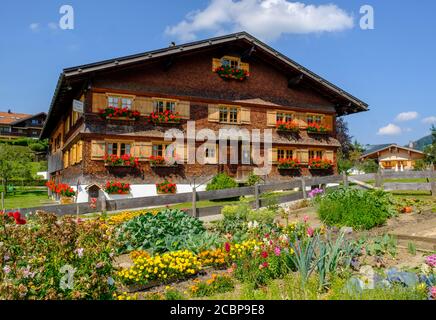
{"x":264,"y":254}
{"x":227,"y":247}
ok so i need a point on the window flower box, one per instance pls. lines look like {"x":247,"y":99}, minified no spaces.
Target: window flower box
{"x":117,"y":188}
{"x":227,"y":72}
{"x":118,"y":113}
{"x":166,"y":187}
{"x":316,"y":128}
{"x":122,"y":161}
{"x":166,"y":117}
{"x":159,"y":161}
{"x":64,"y":190}
{"x":289,"y":164}
{"x":320,"y":164}
{"x":288,"y":126}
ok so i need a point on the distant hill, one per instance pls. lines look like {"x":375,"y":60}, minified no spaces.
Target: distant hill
{"x":423,"y":142}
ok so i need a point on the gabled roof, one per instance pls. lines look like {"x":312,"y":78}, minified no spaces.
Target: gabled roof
{"x":382,"y":147}
{"x":29,"y":117}
{"x":349,"y":103}
{"x":10,"y":117}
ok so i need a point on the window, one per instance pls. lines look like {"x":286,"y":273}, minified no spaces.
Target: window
{"x":118,"y":148}
{"x":164,"y":105}
{"x":229,"y":114}
{"x":231,"y":62}
{"x":159,"y":150}
{"x":120,"y":102}
{"x":311,"y":118}
{"x":316,"y":154}
{"x":245,"y":154}
{"x":210,"y":152}
{"x":35,"y":122}
{"x":285,"y":154}
{"x":284,"y":117}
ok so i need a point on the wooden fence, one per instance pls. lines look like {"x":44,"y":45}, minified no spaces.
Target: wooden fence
{"x":193,"y":197}
{"x":381,"y":176}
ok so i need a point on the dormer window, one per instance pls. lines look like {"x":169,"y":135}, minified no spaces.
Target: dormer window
{"x":231,"y":62}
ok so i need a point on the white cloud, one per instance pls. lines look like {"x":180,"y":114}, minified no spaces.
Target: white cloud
{"x":429,"y":120}
{"x":267,"y":19}
{"x":34,"y":26}
{"x":52,"y":25}
{"x":407,"y":116}
{"x":390,"y":130}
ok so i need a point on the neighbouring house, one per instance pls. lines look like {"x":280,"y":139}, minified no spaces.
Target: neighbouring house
{"x":233,"y":81}
{"x":393,"y":157}
{"x":19,"y":125}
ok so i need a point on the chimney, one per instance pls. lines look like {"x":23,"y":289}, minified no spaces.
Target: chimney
{"x":9,"y":111}
{"x":411,"y":144}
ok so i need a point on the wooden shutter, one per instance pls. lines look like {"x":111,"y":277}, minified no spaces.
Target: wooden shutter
{"x":273,"y":152}
{"x":80,"y":151}
{"x":244,"y":66}
{"x":142,"y":150}
{"x":271,"y":118}
{"x":329,"y":155}
{"x":144,"y":105}
{"x":216,"y":63}
{"x":328,"y":122}
{"x":66,"y":159}
{"x":303,"y":156}
{"x":98,"y":149}
{"x":73,"y":155}
{"x":183,"y":108}
{"x":301,"y":119}
{"x":214,"y":113}
{"x":99,"y":101}
{"x":245,"y":116}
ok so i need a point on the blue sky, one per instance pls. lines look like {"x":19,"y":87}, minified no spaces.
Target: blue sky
{"x":392,"y":67}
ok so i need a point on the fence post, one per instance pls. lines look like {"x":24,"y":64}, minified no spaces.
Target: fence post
{"x":256,"y":195}
{"x":303,"y":188}
{"x":103,"y":203}
{"x":345,"y":179}
{"x":378,"y":179}
{"x":433,"y":181}
{"x":194,"y":202}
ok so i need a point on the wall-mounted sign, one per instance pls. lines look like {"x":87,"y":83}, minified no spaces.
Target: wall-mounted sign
{"x":78,"y":106}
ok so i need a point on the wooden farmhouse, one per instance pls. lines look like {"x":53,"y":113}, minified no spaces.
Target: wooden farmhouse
{"x":124,"y":106}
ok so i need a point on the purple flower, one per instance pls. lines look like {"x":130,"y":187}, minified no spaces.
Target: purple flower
{"x":6,"y":269}
{"x":433,"y":293}
{"x":79,"y":252}
{"x":315,"y":192}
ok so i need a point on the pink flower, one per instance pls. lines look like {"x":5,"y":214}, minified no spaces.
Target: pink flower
{"x":310,"y":231}
{"x":277,"y":251}
{"x":305,"y":219}
{"x":433,"y":292}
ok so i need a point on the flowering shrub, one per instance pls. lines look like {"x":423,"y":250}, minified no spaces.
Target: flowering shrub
{"x":125,"y":160}
{"x":116,"y":187}
{"x":227,"y":72}
{"x":215,"y":258}
{"x":16,"y":216}
{"x":164,"y":117}
{"x":166,"y":187}
{"x":169,"y":266}
{"x":119,"y":218}
{"x":320,"y":164}
{"x":118,"y":112}
{"x":315,"y":192}
{"x":316,"y":128}
{"x":290,"y":126}
{"x":216,"y":284}
{"x":289,"y":164}
{"x":34,"y":259}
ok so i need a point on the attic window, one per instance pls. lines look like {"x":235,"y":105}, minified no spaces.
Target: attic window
{"x":232,"y":62}
{"x":119,"y":102}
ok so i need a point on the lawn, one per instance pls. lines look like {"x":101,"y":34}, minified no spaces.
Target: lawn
{"x":27,"y":197}
{"x":405,"y":180}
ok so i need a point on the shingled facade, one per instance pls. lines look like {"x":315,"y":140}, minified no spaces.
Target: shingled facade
{"x":234,"y":81}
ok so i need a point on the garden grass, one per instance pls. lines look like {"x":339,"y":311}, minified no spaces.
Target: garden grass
{"x":27,"y":197}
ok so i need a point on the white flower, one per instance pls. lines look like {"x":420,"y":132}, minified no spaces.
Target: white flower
{"x":6,"y":269}
{"x":79,"y":252}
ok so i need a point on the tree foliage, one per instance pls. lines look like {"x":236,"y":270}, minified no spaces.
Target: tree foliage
{"x":344,"y":137}
{"x":15,"y":162}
